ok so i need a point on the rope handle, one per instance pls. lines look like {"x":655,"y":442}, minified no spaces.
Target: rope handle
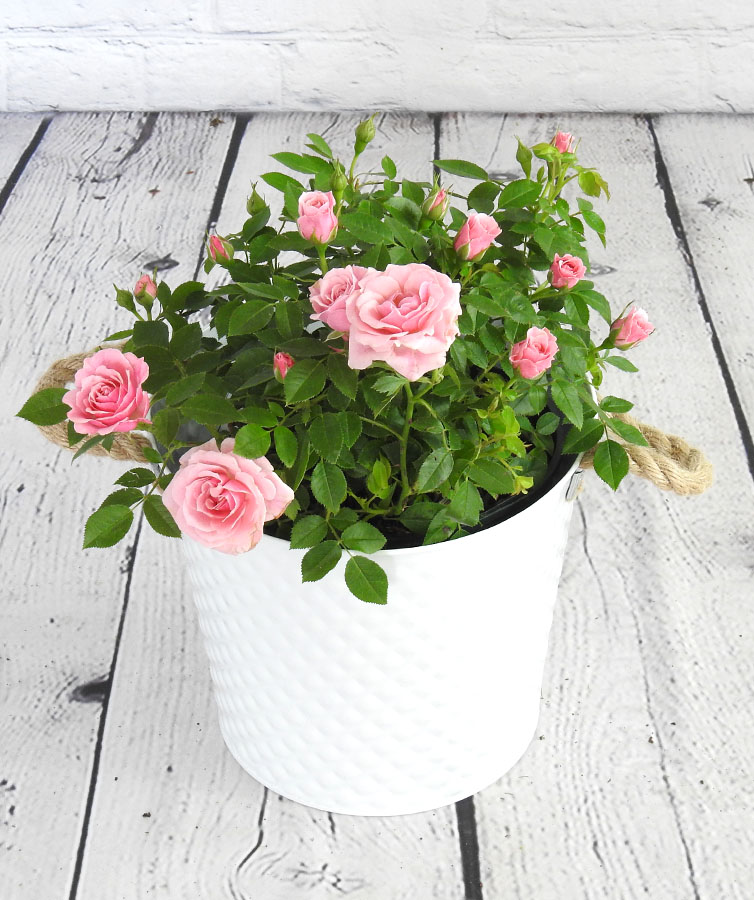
{"x":668,"y":462}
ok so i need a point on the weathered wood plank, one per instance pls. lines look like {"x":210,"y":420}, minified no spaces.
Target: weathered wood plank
{"x":103,"y":196}
{"x":17,"y":130}
{"x":212,"y":830}
{"x":639,"y":784}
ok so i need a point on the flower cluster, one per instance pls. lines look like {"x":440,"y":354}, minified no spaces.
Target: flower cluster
{"x":384,"y":364}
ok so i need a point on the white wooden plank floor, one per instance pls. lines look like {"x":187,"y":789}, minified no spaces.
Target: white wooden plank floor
{"x":114,"y":784}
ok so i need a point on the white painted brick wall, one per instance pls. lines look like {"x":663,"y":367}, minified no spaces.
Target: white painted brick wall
{"x":551,"y":55}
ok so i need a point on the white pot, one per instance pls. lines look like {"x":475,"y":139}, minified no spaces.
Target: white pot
{"x":384,"y":710}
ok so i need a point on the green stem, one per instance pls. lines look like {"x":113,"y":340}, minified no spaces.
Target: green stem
{"x":405,"y":486}
{"x":352,"y":170}
{"x":322,"y":260}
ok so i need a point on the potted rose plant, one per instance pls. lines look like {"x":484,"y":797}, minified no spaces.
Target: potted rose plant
{"x":390,"y":396}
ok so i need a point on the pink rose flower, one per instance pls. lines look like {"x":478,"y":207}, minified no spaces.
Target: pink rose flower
{"x":108,"y":396}
{"x":316,"y":216}
{"x":281,"y":362}
{"x":219,"y":248}
{"x":534,"y":354}
{"x":405,"y":316}
{"x":563,"y":141}
{"x":631,"y":329}
{"x":223,"y":500}
{"x":566,"y":271}
{"x":476,"y":235}
{"x":329,"y":295}
{"x":436,"y":204}
{"x":145,"y":286}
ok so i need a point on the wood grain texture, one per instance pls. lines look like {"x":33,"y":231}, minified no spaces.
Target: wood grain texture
{"x":81,"y":217}
{"x":641,"y":783}
{"x":212,"y":830}
{"x":16,"y":133}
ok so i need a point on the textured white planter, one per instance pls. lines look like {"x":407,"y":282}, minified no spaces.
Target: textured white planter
{"x":384,"y":710}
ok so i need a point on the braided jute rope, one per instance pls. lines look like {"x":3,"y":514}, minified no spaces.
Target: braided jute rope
{"x":126,"y":446}
{"x":668,"y":462}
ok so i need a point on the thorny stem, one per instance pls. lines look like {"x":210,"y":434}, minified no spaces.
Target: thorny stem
{"x":405,"y":486}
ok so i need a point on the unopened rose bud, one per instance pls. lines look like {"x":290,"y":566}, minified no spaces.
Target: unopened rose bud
{"x":255,"y":203}
{"x":219,"y":249}
{"x":338,"y":183}
{"x":316,"y":220}
{"x":145,"y":288}
{"x":563,"y":141}
{"x":476,"y":234}
{"x":281,"y":362}
{"x":365,"y":132}
{"x":631,"y":329}
{"x":436,"y":204}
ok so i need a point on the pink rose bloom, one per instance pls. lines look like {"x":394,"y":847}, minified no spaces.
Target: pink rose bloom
{"x":631,"y":329}
{"x":566,"y":270}
{"x":281,"y":362}
{"x":534,"y":354}
{"x":405,"y":316}
{"x":145,"y":285}
{"x":436,"y":204}
{"x":316,"y":216}
{"x":563,"y":141}
{"x":329,"y":295}
{"x":476,"y":235}
{"x":222,"y":500}
{"x":219,"y":248}
{"x":108,"y":396}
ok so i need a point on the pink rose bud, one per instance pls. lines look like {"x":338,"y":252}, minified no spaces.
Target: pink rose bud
{"x":281,"y":362}
{"x":317,"y":221}
{"x":476,"y":235}
{"x":436,"y":204}
{"x":563,"y":141}
{"x":223,"y":500}
{"x":566,"y":271}
{"x":405,"y":316}
{"x":145,"y":287}
{"x":108,"y":395}
{"x":534,"y":354}
{"x":219,"y":248}
{"x":331,"y":293}
{"x":631,"y":329}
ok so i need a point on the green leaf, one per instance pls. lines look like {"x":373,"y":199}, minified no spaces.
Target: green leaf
{"x":547,"y":423}
{"x":519,"y":193}
{"x":87,"y":445}
{"x":482,"y":197}
{"x":151,"y":455}
{"x":286,"y":445}
{"x":524,"y":156}
{"x":367,"y":228}
{"x":309,"y":165}
{"x":611,"y":463}
{"x":620,"y":362}
{"x":342,"y":375}
{"x":465,"y":503}
{"x":46,"y":407}
{"x":261,"y":289}
{"x":388,"y":167}
{"x":594,"y":221}
{"x":165,"y":424}
{"x":136,"y":478}
{"x":389,"y":384}
{"x":434,"y":471}
{"x":378,"y":481}
{"x":180,"y":296}
{"x":364,"y":537}
{"x":186,"y":341}
{"x":613,"y":404}
{"x":566,"y":397}
{"x":280,"y":181}
{"x":209,"y":409}
{"x":107,"y":525}
{"x":184,"y":388}
{"x":289,"y":320}
{"x":252,"y":441}
{"x":320,"y":145}
{"x":150,"y":334}
{"x":350,"y":424}
{"x":118,"y":335}
{"x":627,"y":431}
{"x":123,"y":497}
{"x":598,"y":303}
{"x":462,"y":168}
{"x":251,"y":317}
{"x":328,"y":484}
{"x":579,"y":440}
{"x":490,"y":306}
{"x":326,"y":436}
{"x":492,"y":476}
{"x":318,"y":561}
{"x":366,"y":580}
{"x":304,"y":380}
{"x":159,"y":518}
{"x":405,"y":210}
{"x":73,"y":436}
{"x":258,"y":415}
{"x":308,"y":532}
